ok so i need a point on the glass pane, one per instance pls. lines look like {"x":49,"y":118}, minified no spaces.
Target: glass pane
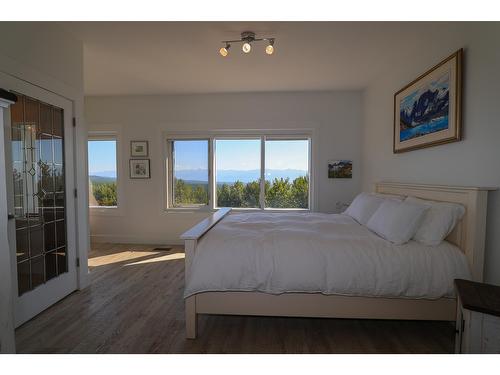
{"x":45,"y":142}
{"x":47,"y":179}
{"x":48,"y":200}
{"x":50,"y":265}
{"x":287,"y":174}
{"x":23,"y":277}
{"x":61,"y":233}
{"x":57,"y":144}
{"x":102,"y":173}
{"x":190,"y":171}
{"x":39,"y":185}
{"x":17,"y":144}
{"x":237,"y":172}
{"x":22,"y":244}
{"x":45,"y":119}
{"x":48,"y":214}
{"x":62,"y":262}
{"x":58,"y":173}
{"x":37,"y":271}
{"x":36,"y":239}
{"x":58,"y":122}
{"x":50,"y":236}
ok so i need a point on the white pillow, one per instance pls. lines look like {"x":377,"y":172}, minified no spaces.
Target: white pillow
{"x":363,"y":207}
{"x":397,"y":221}
{"x":438,"y":221}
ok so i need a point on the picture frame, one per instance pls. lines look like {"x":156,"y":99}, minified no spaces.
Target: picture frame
{"x":140,"y":169}
{"x":427,"y":111}
{"x":340,"y":169}
{"x":139,"y":148}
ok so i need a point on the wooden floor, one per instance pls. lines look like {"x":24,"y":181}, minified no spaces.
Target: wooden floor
{"x":134,"y":305}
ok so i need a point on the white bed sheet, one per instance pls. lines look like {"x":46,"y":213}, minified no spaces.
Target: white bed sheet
{"x":319,"y":253}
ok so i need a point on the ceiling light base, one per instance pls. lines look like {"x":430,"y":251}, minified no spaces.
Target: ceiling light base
{"x":249,"y":36}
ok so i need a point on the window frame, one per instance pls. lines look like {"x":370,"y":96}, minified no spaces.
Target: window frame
{"x":170,"y":179}
{"x":108,"y":136}
{"x":284,"y":135}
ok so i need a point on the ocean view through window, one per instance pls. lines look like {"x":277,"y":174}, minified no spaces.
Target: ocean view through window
{"x":287,"y":173}
{"x":190,"y":172}
{"x":102,"y":172}
{"x":237,"y":174}
{"x":241,"y":172}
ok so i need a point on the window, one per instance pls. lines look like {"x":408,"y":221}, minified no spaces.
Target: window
{"x":190,"y":173}
{"x":251,"y":172}
{"x":102,"y":172}
{"x":237,"y":172}
{"x":287,"y":173}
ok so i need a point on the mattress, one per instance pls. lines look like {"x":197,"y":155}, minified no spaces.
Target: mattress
{"x":319,"y":253}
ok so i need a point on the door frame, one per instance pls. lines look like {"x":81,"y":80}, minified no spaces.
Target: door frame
{"x":7,"y":338}
{"x":33,"y":302}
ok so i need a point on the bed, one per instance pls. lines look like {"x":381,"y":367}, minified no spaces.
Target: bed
{"x":283,"y":264}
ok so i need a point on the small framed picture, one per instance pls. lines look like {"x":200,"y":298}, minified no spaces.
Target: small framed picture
{"x":140,"y":168}
{"x":340,"y":169}
{"x":139,"y":148}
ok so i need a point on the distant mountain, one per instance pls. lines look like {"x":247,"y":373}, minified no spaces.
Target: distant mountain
{"x":231,"y":176}
{"x":430,"y":105}
{"x":105,"y":174}
{"x":101,"y":179}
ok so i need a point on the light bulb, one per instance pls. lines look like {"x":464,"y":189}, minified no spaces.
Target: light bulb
{"x":223,"y":51}
{"x":246,"y":47}
{"x":269,"y":49}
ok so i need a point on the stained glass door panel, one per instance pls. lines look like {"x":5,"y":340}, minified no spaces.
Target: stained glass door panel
{"x":38,"y":168}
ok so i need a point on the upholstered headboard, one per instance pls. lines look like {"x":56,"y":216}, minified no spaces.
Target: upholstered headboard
{"x":469,"y":234}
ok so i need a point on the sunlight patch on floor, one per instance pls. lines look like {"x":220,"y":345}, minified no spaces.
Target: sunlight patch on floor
{"x":119,"y":257}
{"x":158,"y":259}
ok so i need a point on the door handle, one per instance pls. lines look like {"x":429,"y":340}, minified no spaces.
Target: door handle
{"x":10,"y":216}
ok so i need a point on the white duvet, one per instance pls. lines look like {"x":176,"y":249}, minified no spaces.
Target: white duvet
{"x":319,"y":253}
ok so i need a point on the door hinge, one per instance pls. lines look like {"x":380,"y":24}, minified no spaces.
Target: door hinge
{"x":75,"y":192}
{"x":74,"y":122}
{"x":78,"y":262}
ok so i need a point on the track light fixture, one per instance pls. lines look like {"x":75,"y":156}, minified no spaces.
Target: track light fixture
{"x":224,"y":51}
{"x":247,"y":38}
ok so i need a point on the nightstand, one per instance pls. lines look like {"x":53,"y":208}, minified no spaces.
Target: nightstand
{"x":478,"y":317}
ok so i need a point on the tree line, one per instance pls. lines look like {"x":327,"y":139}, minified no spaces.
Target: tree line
{"x":104,"y":193}
{"x":280,"y":193}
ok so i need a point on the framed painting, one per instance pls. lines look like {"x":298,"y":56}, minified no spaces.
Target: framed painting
{"x":427,"y":112}
{"x":138,"y":148}
{"x":140,"y":168}
{"x":340,"y":169}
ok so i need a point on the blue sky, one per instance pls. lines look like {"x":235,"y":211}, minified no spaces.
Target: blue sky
{"x":231,"y":155}
{"x":242,"y":154}
{"x":102,"y":157}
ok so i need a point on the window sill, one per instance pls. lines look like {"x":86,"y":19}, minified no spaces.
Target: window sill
{"x":191,"y":210}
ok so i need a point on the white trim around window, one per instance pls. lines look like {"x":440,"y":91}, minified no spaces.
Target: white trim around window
{"x":111,"y":133}
{"x":211,"y":137}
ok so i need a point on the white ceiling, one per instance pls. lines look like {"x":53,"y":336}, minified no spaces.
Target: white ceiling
{"x":139,"y":58}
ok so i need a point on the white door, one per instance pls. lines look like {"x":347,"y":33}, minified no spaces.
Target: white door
{"x":39,"y":148}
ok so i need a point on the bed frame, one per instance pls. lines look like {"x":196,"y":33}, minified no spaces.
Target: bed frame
{"x":469,"y":236}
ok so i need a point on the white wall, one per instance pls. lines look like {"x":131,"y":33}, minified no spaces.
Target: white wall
{"x":334,"y":116}
{"x":475,"y":160}
{"x":47,"y":56}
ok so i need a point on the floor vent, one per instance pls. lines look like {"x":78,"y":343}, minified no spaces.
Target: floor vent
{"x":162,"y":248}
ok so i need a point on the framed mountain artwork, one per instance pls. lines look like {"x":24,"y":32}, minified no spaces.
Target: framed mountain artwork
{"x":427,"y":112}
